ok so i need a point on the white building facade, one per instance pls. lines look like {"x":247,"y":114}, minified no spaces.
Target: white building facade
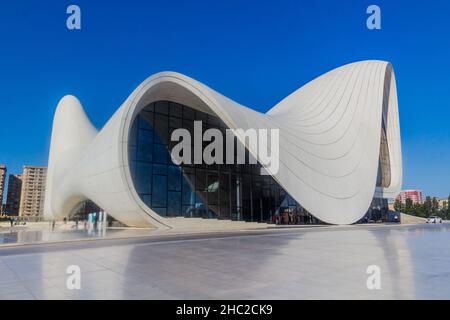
{"x":339,"y":150}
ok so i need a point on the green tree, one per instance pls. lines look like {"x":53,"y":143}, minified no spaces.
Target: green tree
{"x":409,"y":206}
{"x":398,"y":206}
{"x":443,"y":211}
{"x":448,"y":206}
{"x":416,"y":210}
{"x":434,"y":206}
{"x":419,"y":210}
{"x":428,"y":207}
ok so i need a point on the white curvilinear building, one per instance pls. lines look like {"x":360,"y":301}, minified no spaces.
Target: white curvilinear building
{"x":339,"y":153}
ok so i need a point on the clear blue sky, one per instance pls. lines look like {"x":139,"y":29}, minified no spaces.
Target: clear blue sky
{"x":256,"y":52}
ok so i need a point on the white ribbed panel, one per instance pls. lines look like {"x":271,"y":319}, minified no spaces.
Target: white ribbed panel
{"x":330,"y":133}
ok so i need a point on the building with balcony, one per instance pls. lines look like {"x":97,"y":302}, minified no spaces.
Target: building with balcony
{"x":33,"y":191}
{"x":12,"y":206}
{"x":415,"y":196}
{"x":2,"y":185}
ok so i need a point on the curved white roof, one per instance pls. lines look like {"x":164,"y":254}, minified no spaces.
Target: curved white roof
{"x":330,"y":132}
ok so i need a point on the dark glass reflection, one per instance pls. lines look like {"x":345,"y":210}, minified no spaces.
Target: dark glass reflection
{"x":236,"y":192}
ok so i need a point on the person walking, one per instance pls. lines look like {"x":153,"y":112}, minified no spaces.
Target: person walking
{"x":274,"y":219}
{"x":285,"y":217}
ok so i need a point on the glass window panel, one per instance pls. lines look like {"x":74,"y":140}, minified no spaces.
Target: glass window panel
{"x":188,"y":113}
{"x":160,"y":153}
{"x":247,"y":210}
{"x":162,"y":107}
{"x":275,"y":195}
{"x":213,"y":211}
{"x":188,"y":211}
{"x":147,"y":120}
{"x":200,"y":198}
{"x":147,"y":198}
{"x":133,"y":169}
{"x":213,"y":121}
{"x":246,"y":168}
{"x":188,"y":190}
{"x":224,"y":185}
{"x":291,"y":201}
{"x":159,"y":198}
{"x":256,"y":195}
{"x":222,"y":124}
{"x":234,"y":191}
{"x":189,"y":126}
{"x":144,"y":151}
{"x":246,"y":197}
{"x":161,"y":211}
{"x":224,"y":211}
{"x":143,"y":181}
{"x":174,"y":204}
{"x":246,"y":188}
{"x":201,"y":116}
{"x":235,"y":213}
{"x":200,"y":210}
{"x":267,"y":181}
{"x":200,"y":180}
{"x":174,"y":178}
{"x":213,"y":189}
{"x":132,"y":153}
{"x":150,"y":108}
{"x":133,"y":134}
{"x":283,"y":194}
{"x":160,"y":169}
{"x":143,"y":123}
{"x":175,"y":123}
{"x":175,"y":110}
{"x":266,"y":204}
{"x":161,"y":129}
{"x":257,"y":212}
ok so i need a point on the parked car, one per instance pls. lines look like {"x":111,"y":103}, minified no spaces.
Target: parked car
{"x":434,"y":219}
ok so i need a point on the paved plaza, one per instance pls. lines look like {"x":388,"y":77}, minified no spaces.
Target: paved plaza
{"x":323,"y":263}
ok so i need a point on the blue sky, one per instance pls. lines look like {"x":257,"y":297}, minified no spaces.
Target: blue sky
{"x":256,"y":52}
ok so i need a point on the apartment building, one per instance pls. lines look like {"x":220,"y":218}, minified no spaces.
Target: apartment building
{"x":33,"y":191}
{"x":13,"y":196}
{"x":2,"y":185}
{"x":414,"y":195}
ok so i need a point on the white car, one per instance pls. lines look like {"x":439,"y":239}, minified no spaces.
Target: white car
{"x":434,"y":219}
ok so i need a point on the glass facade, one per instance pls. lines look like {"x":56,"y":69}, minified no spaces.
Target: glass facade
{"x":384,"y":165}
{"x":379,"y":212}
{"x":236,"y":192}
{"x":379,"y":208}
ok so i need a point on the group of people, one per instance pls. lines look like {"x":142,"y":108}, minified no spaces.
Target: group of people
{"x":292,"y":216}
{"x":14,"y":221}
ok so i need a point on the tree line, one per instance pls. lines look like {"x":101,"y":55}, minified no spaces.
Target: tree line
{"x":430,"y":207}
